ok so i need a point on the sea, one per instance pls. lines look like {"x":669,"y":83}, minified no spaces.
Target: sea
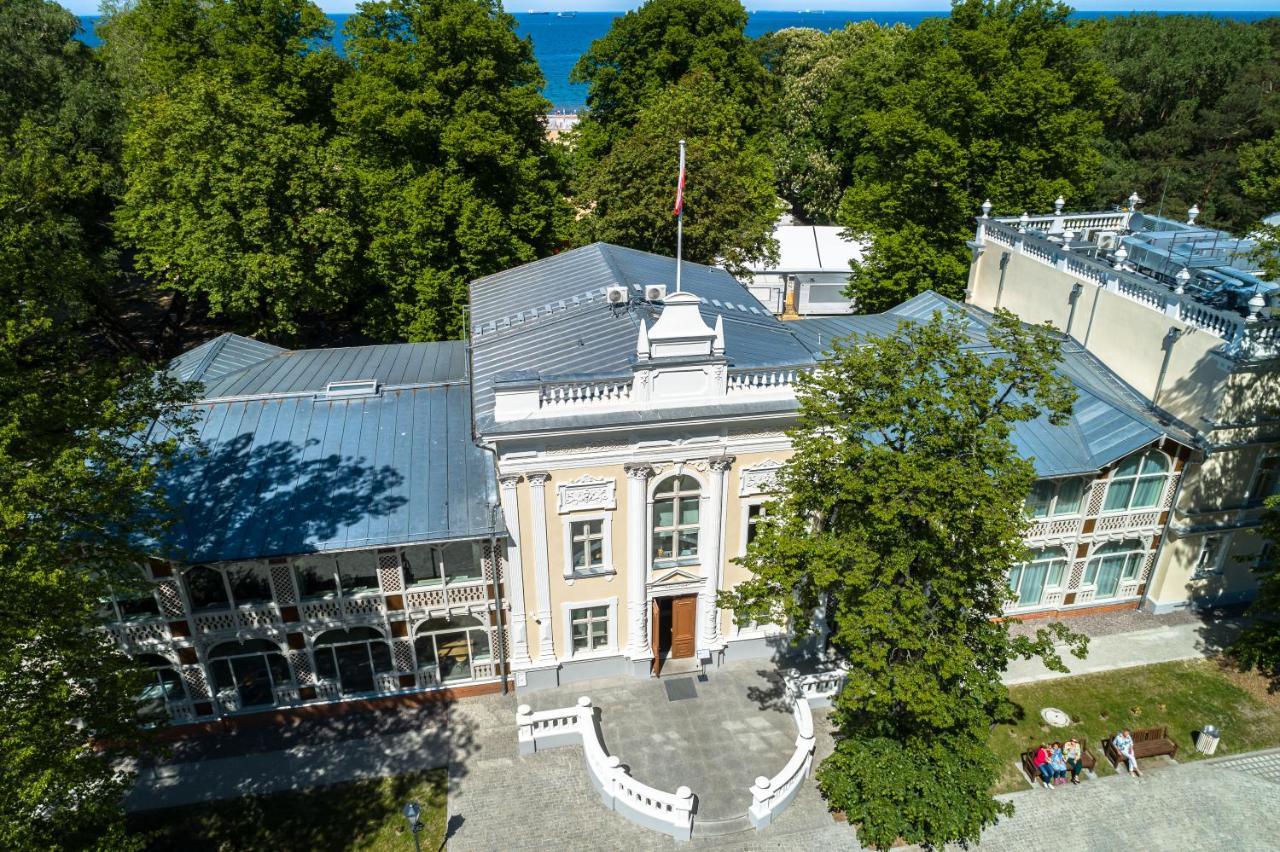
{"x":559,"y":39}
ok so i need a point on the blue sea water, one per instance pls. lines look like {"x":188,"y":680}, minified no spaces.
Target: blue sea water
{"x":559,"y":41}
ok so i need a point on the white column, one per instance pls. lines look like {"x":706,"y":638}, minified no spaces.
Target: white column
{"x":710,"y":543}
{"x":518,"y":625}
{"x":638,"y":560}
{"x":541,"y":564}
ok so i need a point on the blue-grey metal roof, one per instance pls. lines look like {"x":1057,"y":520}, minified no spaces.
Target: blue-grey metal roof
{"x":224,"y":354}
{"x":549,"y":319}
{"x":279,"y":468}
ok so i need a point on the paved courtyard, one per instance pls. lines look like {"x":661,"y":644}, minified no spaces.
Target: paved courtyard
{"x":715,"y":734}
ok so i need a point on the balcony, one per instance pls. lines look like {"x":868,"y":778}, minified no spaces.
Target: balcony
{"x":262,"y":617}
{"x":335,"y":609}
{"x":445,"y":596}
{"x":141,"y":634}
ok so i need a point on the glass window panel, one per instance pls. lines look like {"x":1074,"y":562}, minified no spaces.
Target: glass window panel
{"x":597,"y":553}
{"x":249,"y":584}
{"x":599,"y":612}
{"x":316,"y":580}
{"x":1131,"y":565}
{"x":1118,"y":495}
{"x":253,"y":682}
{"x":422,"y":567}
{"x":579,"y":555}
{"x":1109,"y":576}
{"x":1128,"y":467}
{"x":664,"y":513}
{"x":1155,"y":462}
{"x":689,"y":543}
{"x":1147,"y":494}
{"x":205,"y":588}
{"x":600,"y":639}
{"x":1032,"y":585}
{"x":1070,"y":496}
{"x":425,"y":647}
{"x":381,"y":655}
{"x":1091,"y":572}
{"x":1015,"y":577}
{"x":358,"y":572}
{"x":1055,"y":573}
{"x":689,"y":511}
{"x":462,"y":561}
{"x":279,"y":668}
{"x":222,"y":676}
{"x":326,"y":666}
{"x":354,"y":668}
{"x":455,"y":656}
{"x":579,"y":630}
{"x":1267,"y":483}
{"x":663,"y":545}
{"x":480,"y":644}
{"x":139,"y":607}
{"x":1040,"y":498}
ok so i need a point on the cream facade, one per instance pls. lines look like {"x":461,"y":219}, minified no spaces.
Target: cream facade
{"x":1178,"y":313}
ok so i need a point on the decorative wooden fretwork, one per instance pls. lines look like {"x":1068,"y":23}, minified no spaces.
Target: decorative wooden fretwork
{"x":282,"y":585}
{"x":486,"y":561}
{"x":402,"y":653}
{"x":1096,"y":493}
{"x":1077,"y":574}
{"x":134,"y":635}
{"x":197,"y":686}
{"x":467,"y":594}
{"x":500,"y":648}
{"x":326,"y":610}
{"x":300,"y":665}
{"x":425,"y":599}
{"x":328,"y":690}
{"x":1147,"y":565}
{"x":369,"y":605}
{"x":1170,"y":488}
{"x":216,"y":622}
{"x":386,"y":682}
{"x":170,"y":598}
{"x":390,"y":573}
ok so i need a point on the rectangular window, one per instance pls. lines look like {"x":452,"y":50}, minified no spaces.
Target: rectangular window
{"x":1267,"y":482}
{"x":422,"y":567}
{"x":139,"y":608}
{"x":754,"y":514}
{"x":462,"y":561}
{"x":1070,"y":496}
{"x":317,"y":580}
{"x":1207,"y":560}
{"x":1041,"y":498}
{"x":587,"y":545}
{"x":249,"y":584}
{"x":590,"y":628}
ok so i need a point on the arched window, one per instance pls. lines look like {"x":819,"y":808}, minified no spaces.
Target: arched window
{"x":253,"y":668}
{"x":1055,"y":497}
{"x":451,"y":646}
{"x":1030,"y":579}
{"x":1111,"y":563}
{"x":164,"y":688}
{"x":675,"y":521}
{"x":206,"y":588}
{"x":1138,"y":482}
{"x":352,"y":657}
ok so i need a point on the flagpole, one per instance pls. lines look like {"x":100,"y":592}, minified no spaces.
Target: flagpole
{"x":680,"y":219}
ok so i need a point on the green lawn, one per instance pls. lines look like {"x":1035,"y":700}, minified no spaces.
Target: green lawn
{"x":363,"y":815}
{"x":1182,"y":696}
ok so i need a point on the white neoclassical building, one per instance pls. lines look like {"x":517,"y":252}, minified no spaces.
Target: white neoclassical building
{"x":637,"y":432}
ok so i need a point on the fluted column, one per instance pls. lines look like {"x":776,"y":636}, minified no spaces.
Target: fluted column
{"x":541,"y":563}
{"x":638,"y":560}
{"x":519,"y":625}
{"x":711,"y":546}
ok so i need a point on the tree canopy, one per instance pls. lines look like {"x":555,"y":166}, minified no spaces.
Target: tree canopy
{"x":1003,"y":100}
{"x":77,"y":481}
{"x":899,"y":516}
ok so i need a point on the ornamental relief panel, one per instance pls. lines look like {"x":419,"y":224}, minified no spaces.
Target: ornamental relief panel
{"x":587,"y":492}
{"x":760,"y":478}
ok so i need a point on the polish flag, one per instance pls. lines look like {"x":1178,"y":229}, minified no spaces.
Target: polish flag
{"x":680,"y":186}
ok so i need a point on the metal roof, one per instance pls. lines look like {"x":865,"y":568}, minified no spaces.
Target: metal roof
{"x":281,"y":468}
{"x":812,"y":248}
{"x":224,"y":354}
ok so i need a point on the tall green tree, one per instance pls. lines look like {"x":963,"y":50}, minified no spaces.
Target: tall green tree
{"x":730,"y":202}
{"x":1195,"y":90}
{"x":900,"y":514}
{"x":1003,"y":100}
{"x":236,"y":202}
{"x":74,"y":476}
{"x":806,"y":65}
{"x":441,"y":129}
{"x":650,"y":48}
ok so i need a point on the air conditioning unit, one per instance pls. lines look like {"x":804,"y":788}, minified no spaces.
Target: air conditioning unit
{"x":655,"y":292}
{"x":1107,"y":240}
{"x":616,"y":295}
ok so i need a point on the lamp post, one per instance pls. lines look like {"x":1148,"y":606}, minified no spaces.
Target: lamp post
{"x":411,"y":813}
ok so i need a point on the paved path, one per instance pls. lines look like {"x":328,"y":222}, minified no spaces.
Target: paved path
{"x":1123,"y":650}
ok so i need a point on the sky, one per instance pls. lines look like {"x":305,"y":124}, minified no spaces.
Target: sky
{"x":90,"y":7}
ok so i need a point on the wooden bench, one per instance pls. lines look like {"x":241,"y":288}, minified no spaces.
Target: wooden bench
{"x":1147,"y":742}
{"x":1087,"y":761}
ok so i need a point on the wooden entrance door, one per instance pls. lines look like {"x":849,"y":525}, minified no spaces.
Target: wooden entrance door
{"x":684,"y":619}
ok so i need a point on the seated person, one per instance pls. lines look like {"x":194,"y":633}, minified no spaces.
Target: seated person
{"x":1073,"y":754}
{"x":1058,"y":763}
{"x":1041,"y":762}
{"x":1123,"y":743}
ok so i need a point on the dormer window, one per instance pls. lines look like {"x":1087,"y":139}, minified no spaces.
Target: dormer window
{"x":351,"y":387}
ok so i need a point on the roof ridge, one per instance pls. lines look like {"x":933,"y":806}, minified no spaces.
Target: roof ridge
{"x":216,"y":345}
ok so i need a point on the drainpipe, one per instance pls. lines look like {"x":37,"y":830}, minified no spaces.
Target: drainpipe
{"x":1004,"y":263}
{"x":1170,"y":338}
{"x":1076,"y":289}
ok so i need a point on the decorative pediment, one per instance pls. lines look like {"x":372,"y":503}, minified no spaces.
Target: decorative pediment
{"x":676,"y":576}
{"x":587,"y":492}
{"x":760,"y":478}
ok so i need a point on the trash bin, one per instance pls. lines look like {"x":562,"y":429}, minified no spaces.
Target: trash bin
{"x":1207,"y":739}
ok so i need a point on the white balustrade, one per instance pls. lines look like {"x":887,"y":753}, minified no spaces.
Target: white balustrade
{"x":386,"y":682}
{"x":140,"y":634}
{"x":328,"y":690}
{"x":817,"y":688}
{"x":757,"y":381}
{"x":326,"y":609}
{"x":443,"y":597}
{"x":1056,"y":528}
{"x":180,"y":711}
{"x":570,"y":394}
{"x":770,"y":795}
{"x":286,"y":694}
{"x":669,"y":813}
{"x":428,"y":677}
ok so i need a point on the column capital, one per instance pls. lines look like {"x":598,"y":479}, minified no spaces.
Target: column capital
{"x":722,"y":463}
{"x":537,"y":478}
{"x":509,"y":480}
{"x":638,"y":470}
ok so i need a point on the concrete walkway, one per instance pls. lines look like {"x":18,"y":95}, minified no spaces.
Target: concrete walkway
{"x":1123,"y":650}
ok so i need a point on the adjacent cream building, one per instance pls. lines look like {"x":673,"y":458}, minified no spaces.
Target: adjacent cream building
{"x":1179,"y":313}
